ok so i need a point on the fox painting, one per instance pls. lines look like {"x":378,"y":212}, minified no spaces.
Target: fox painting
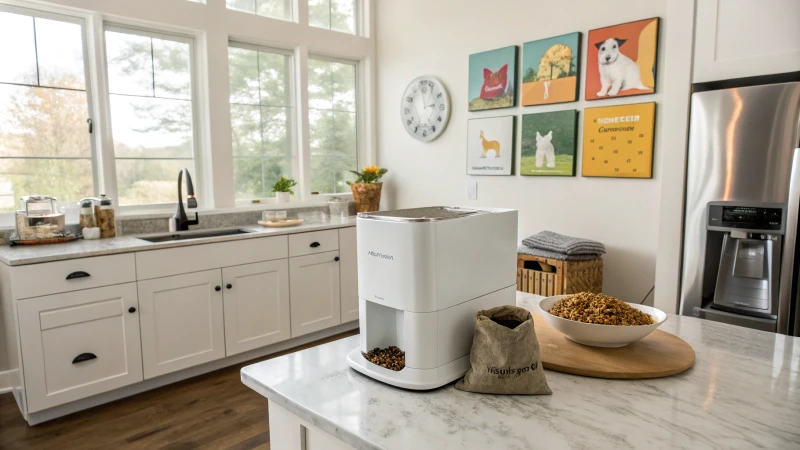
{"x":494,"y":83}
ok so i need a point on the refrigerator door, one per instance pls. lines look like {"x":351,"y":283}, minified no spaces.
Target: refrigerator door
{"x":741,"y":145}
{"x":788,"y":303}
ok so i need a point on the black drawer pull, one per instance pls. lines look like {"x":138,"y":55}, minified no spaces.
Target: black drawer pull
{"x":217,"y":288}
{"x":336,"y":259}
{"x":229,"y":286}
{"x":84,"y":357}
{"x":132,"y":309}
{"x":78,"y":274}
{"x":315,"y":244}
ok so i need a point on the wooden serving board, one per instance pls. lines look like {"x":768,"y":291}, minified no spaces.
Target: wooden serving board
{"x":286,"y":223}
{"x":660,"y":354}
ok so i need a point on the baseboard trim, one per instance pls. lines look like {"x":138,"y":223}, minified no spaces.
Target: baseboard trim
{"x":5,"y":381}
{"x":147,"y":385}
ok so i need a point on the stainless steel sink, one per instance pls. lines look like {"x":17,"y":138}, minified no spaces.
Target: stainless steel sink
{"x":187,"y":235}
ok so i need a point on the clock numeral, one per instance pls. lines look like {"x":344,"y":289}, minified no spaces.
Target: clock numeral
{"x":424,"y":133}
{"x":406,"y":111}
{"x":431,"y":85}
{"x":441,"y":107}
{"x":423,"y":82}
{"x":424,"y":90}
{"x":409,"y":99}
{"x":439,"y":95}
{"x":433,"y":129}
{"x":408,"y":122}
{"x":439,"y":119}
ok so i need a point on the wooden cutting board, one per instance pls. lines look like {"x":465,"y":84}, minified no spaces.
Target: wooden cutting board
{"x":660,"y":354}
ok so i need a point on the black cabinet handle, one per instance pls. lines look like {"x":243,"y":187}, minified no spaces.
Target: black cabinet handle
{"x":84,"y":357}
{"x":314,"y":245}
{"x":132,"y":309}
{"x":217,"y":288}
{"x":336,"y":259}
{"x":78,"y":274}
{"x":229,"y":286}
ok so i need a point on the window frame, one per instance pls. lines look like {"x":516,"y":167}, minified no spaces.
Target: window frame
{"x":293,"y":131}
{"x":357,"y":20}
{"x":358,"y":108}
{"x":89,"y":89}
{"x":198,"y":164}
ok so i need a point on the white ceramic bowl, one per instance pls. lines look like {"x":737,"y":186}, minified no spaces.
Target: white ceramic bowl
{"x":596,"y":335}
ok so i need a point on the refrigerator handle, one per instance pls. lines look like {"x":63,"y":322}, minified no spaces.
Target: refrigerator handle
{"x":785,"y":299}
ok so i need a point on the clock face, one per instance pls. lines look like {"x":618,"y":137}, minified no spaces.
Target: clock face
{"x":425,"y":108}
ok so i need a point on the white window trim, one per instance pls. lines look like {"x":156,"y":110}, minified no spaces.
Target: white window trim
{"x":208,"y":24}
{"x":198,"y":153}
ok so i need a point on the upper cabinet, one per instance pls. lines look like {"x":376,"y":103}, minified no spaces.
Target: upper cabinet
{"x":745,"y":38}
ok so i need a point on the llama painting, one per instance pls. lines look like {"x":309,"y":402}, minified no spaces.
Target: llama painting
{"x":492,"y":79}
{"x":490,"y":146}
{"x":548,"y":143}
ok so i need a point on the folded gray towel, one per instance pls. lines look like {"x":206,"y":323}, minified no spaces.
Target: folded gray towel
{"x":559,"y":243}
{"x":524,"y":249}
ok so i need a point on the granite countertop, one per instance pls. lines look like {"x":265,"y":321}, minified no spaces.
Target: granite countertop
{"x":33,"y":254}
{"x":743,"y":392}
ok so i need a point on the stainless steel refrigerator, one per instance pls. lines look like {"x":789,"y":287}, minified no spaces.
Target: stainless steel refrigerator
{"x":740,"y":256}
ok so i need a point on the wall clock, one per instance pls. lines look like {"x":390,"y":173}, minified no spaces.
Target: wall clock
{"x":425,"y":108}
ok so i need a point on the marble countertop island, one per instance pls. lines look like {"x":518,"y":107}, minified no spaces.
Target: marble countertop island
{"x":743,"y":392}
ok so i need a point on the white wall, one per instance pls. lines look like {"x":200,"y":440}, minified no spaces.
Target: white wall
{"x":416,"y":37}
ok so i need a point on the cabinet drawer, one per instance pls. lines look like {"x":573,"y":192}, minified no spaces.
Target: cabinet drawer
{"x":198,"y":258}
{"x":79,"y":344}
{"x":64,"y":276}
{"x":302,"y":244}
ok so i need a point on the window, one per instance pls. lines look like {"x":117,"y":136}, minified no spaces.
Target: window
{"x":262,"y":111}
{"x":277,"y":9}
{"x":337,"y":15}
{"x":45,"y":146}
{"x":332,"y":124}
{"x":150,"y":87}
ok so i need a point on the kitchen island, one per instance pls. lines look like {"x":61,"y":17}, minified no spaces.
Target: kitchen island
{"x":742,"y":392}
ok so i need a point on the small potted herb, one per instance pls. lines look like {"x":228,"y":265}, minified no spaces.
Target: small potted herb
{"x":367,"y":188}
{"x":283,"y":189}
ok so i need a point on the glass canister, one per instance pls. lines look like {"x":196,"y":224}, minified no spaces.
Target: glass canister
{"x":339,"y":208}
{"x":104,"y":215}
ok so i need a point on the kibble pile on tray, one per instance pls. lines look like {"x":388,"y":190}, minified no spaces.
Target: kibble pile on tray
{"x":391,"y":357}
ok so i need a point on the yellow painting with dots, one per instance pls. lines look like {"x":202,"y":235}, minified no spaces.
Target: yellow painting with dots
{"x":618,"y":141}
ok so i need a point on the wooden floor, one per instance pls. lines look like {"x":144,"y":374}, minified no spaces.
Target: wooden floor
{"x":210,"y":411}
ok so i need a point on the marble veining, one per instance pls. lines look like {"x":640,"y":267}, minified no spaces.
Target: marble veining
{"x":33,"y":254}
{"x":742,"y":392}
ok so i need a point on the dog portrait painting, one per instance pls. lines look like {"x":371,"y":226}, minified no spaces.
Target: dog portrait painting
{"x":548,"y":143}
{"x":621,"y":60}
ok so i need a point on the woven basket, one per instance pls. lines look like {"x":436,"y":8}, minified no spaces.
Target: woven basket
{"x":545,"y":276}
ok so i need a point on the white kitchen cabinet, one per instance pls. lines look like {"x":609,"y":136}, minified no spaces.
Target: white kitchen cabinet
{"x":348,"y":273}
{"x":256,"y":300}
{"x":181,"y":321}
{"x":314,"y":285}
{"x":79,"y":344}
{"x":745,"y":38}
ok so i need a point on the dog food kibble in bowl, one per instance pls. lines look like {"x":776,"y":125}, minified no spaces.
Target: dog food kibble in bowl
{"x":599,"y":309}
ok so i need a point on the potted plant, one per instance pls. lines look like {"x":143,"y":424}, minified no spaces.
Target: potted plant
{"x":283,"y":189}
{"x":367,"y":188}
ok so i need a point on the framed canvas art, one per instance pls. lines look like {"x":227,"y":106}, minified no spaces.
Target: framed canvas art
{"x":492,"y":79}
{"x":548,"y":143}
{"x":490,"y":146}
{"x":618,"y":141}
{"x":621,"y":60}
{"x":550,"y":71}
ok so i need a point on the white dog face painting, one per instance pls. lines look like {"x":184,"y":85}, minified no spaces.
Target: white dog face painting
{"x":622,"y":60}
{"x":617,"y":71}
{"x":490,"y":146}
{"x":545,"y":152}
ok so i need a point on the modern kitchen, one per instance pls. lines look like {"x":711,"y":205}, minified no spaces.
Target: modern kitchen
{"x":377,"y":224}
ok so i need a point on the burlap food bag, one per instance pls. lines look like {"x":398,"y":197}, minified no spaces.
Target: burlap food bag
{"x":505,"y":355}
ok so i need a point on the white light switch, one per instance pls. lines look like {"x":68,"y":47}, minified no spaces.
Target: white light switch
{"x":472,"y":189}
